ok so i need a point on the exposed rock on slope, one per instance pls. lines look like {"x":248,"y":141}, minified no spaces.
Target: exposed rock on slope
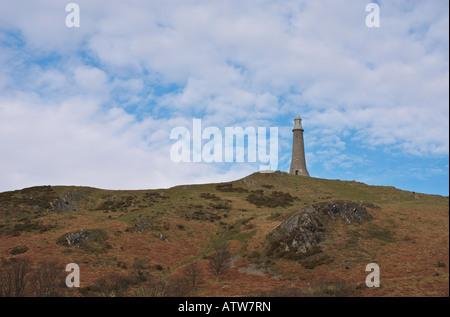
{"x":67,"y":201}
{"x":308,"y":226}
{"x":81,"y":237}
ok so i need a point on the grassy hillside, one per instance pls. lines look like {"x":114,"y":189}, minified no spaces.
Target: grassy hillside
{"x":155,"y":235}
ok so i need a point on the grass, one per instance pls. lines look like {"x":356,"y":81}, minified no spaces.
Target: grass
{"x":385,"y":235}
{"x":25,"y":226}
{"x":338,"y":288}
{"x":196,"y":218}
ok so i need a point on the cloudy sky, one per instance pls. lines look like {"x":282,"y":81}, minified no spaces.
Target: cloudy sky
{"x":94,"y":105}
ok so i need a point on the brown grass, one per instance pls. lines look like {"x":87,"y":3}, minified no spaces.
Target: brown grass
{"x":408,"y":237}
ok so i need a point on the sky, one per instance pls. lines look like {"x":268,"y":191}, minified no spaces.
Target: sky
{"x":95,"y":105}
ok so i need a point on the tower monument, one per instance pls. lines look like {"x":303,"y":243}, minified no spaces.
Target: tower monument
{"x":298,"y":162}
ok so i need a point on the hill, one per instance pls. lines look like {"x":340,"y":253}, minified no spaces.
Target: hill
{"x":152,"y":239}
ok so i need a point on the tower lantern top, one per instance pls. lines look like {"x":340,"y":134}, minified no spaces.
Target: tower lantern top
{"x":297,"y":123}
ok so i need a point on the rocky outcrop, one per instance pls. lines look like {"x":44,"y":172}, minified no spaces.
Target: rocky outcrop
{"x":76,"y":237}
{"x":309,"y":226}
{"x":79,"y":238}
{"x":66,"y":201}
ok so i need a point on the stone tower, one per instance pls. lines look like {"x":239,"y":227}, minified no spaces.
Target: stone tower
{"x":298,"y":162}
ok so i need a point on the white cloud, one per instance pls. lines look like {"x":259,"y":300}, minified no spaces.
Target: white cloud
{"x":106,"y":87}
{"x":91,"y":79}
{"x":74,"y":144}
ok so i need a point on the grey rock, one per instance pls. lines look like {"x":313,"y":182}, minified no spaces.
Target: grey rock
{"x":74,"y":238}
{"x":162,"y":237}
{"x":309,"y":226}
{"x":66,"y":201}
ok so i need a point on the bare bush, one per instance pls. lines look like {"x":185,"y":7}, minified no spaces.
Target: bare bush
{"x":141,"y":270}
{"x":219,"y":261}
{"x":161,"y":287}
{"x":14,"y":277}
{"x":193,"y":274}
{"x":113,"y":285}
{"x":178,"y":287}
{"x":154,"y":287}
{"x":46,"y":279}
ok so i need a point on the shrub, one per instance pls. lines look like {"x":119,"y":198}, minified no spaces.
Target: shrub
{"x":27,"y":225}
{"x":178,"y":287}
{"x":47,"y":278}
{"x":229,"y":188}
{"x":14,"y":277}
{"x":272,"y":200}
{"x":161,"y":287}
{"x":141,"y":270}
{"x":275,"y":216}
{"x":219,"y":261}
{"x":89,"y":291}
{"x":338,"y":288}
{"x":193,"y":274}
{"x":312,"y":263}
{"x":19,"y":249}
{"x":221,"y":206}
{"x":254,"y":255}
{"x":210,"y":196}
{"x":113,"y":285}
{"x":273,"y":245}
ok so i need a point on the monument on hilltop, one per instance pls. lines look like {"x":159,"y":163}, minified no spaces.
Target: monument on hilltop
{"x":298,"y":162}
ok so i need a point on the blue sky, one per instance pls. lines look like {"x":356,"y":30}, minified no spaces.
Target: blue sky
{"x":95,"y":105}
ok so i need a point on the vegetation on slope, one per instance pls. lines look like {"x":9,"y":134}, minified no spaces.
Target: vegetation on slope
{"x":143,"y":242}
